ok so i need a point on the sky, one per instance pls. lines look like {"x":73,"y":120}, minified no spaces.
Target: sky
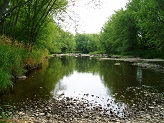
{"x":87,"y":16}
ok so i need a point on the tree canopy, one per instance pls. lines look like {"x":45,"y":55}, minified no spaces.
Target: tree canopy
{"x":138,"y":27}
{"x":24,"y":19}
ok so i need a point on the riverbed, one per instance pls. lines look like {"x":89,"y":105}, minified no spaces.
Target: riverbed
{"x":74,"y":88}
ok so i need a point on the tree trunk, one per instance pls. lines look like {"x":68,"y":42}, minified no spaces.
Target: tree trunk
{"x":3,"y":8}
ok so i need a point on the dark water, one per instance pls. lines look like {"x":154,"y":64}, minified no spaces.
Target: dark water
{"x":85,"y":77}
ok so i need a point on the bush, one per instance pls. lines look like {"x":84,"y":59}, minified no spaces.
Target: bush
{"x":35,"y":57}
{"x":5,"y":79}
{"x":14,"y":57}
{"x":10,"y":64}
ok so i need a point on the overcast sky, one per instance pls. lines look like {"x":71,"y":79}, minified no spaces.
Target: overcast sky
{"x":89,"y":18}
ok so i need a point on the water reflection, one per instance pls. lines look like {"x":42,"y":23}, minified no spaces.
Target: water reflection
{"x":79,"y":84}
{"x":81,"y":77}
{"x":87,"y":86}
{"x":139,"y":75}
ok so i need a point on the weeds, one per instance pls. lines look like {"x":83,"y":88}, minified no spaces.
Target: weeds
{"x":13,"y":58}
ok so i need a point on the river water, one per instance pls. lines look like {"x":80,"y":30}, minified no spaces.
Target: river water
{"x":86,"y":78}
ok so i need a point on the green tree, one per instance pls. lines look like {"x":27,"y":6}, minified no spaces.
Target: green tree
{"x":87,"y":43}
{"x":138,"y":27}
{"x":23,"y":19}
{"x":149,"y":16}
{"x":82,"y":42}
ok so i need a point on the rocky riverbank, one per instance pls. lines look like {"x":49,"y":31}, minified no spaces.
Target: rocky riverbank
{"x":81,"y":55}
{"x":132,"y":59}
{"x":152,"y":64}
{"x":141,"y":62}
{"x":146,"y":105}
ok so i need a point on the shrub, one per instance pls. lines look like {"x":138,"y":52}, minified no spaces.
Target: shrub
{"x":14,"y":57}
{"x":35,"y":57}
{"x":5,"y":79}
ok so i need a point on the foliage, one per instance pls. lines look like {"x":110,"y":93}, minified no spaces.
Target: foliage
{"x":5,"y":79}
{"x":87,"y":43}
{"x":35,"y":57}
{"x":13,"y":59}
{"x":137,"y":28}
{"x":23,"y":19}
{"x":10,"y":63}
{"x":55,"y":39}
{"x":33,"y":34}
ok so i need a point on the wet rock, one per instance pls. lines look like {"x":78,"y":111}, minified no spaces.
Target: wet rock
{"x":21,"y":113}
{"x":148,"y":116}
{"x":22,"y":77}
{"x":117,"y":64}
{"x":41,"y":114}
{"x":86,"y":116}
{"x":151,"y":107}
{"x":48,"y":115}
{"x":68,"y":109}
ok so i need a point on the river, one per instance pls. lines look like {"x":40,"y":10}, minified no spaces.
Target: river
{"x":97,"y":81}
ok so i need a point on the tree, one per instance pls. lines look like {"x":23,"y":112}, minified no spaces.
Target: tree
{"x":23,"y":19}
{"x":139,"y":27}
{"x":87,"y":43}
{"x":149,"y":18}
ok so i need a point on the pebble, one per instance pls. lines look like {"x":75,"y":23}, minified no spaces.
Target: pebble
{"x":151,"y":107}
{"x":22,"y":77}
{"x":21,"y":113}
{"x":41,"y":114}
{"x":76,"y":110}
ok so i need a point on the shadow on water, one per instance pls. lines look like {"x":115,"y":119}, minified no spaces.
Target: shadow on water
{"x":83,"y":77}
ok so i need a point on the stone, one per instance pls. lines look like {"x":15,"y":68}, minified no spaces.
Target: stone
{"x":41,"y":114}
{"x":48,"y":115}
{"x":21,"y":113}
{"x":36,"y":115}
{"x":148,"y":116}
{"x":151,"y":107}
{"x":117,"y":64}
{"x":22,"y":77}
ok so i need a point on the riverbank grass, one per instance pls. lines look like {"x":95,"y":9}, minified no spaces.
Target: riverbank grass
{"x":13,"y":59}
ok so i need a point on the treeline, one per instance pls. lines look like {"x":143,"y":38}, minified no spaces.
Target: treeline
{"x":31,"y":22}
{"x":28,"y":33}
{"x":138,"y":30}
{"x":87,"y":43}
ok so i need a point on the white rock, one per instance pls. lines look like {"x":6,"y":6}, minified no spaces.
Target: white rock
{"x":41,"y":114}
{"x":21,"y":113}
{"x":151,"y":107}
{"x":22,"y":77}
{"x":117,"y":64}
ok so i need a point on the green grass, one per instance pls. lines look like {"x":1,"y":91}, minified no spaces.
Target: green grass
{"x":13,"y":59}
{"x":10,"y":64}
{"x":5,"y":79}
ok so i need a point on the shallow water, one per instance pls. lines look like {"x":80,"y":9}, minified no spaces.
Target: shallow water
{"x":100,"y":82}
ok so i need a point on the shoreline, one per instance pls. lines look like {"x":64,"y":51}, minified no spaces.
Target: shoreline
{"x":133,"y":59}
{"x":75,"y":110}
{"x":79,"y":110}
{"x":115,"y":58}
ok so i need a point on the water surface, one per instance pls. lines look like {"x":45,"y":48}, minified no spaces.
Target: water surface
{"x":83,"y":77}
